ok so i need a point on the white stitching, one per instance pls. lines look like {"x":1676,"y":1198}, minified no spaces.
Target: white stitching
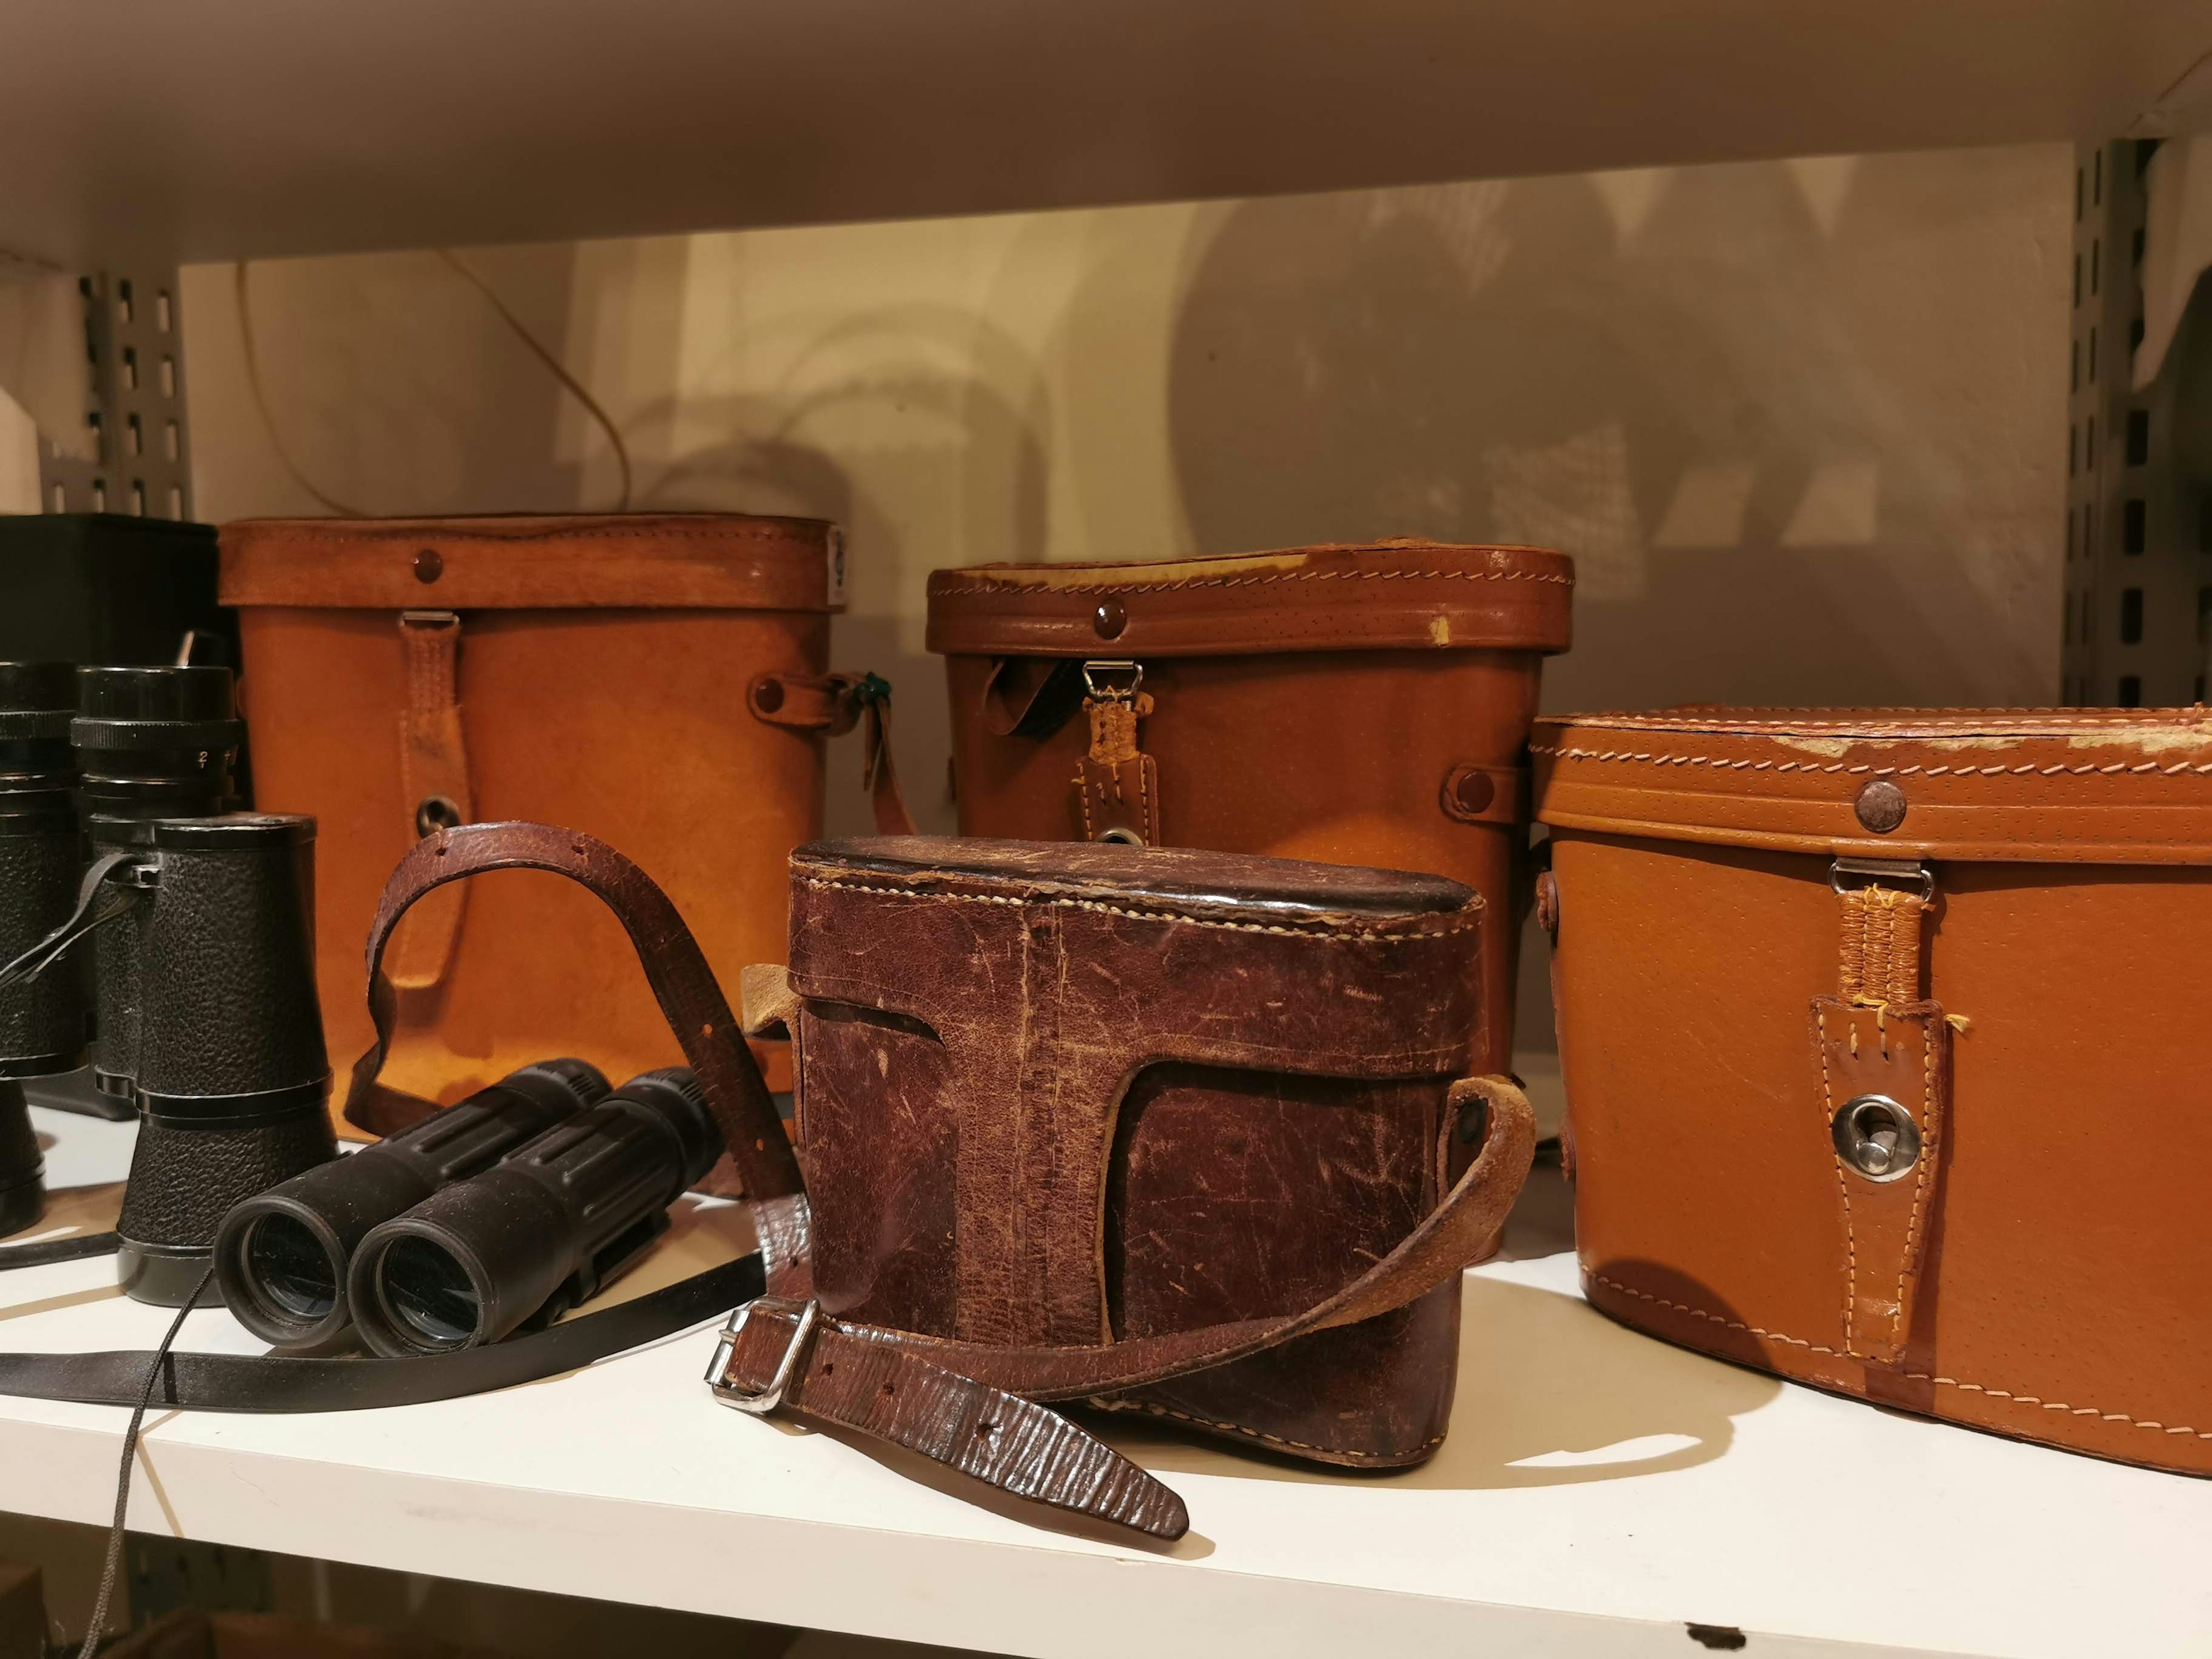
{"x":2113,"y":769}
{"x":1011,"y":587}
{"x":1917,"y":1377}
{"x":1471,"y":916}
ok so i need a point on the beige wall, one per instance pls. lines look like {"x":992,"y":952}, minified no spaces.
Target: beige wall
{"x":1802,"y":424}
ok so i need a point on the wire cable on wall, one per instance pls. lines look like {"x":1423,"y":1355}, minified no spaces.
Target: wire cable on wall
{"x":553,"y":365}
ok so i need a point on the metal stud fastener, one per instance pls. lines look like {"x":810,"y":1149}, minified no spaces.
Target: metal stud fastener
{"x":1876,"y":1137}
{"x":1109,"y":619}
{"x":429,"y":565}
{"x":1880,"y":806}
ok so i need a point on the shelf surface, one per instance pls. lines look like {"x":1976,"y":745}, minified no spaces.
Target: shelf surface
{"x":1599,"y":1491}
{"x":247,"y":128}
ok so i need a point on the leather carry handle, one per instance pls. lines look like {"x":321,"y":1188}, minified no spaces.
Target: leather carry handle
{"x":682,"y":982}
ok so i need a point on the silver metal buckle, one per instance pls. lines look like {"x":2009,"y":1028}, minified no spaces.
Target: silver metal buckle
{"x":1896,"y":872}
{"x":1100,"y":676}
{"x":760,"y":1404}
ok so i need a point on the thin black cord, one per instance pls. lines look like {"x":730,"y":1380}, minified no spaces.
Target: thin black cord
{"x":114,"y":1563}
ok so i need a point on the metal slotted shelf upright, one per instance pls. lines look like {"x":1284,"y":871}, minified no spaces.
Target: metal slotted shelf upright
{"x":1599,"y":1503}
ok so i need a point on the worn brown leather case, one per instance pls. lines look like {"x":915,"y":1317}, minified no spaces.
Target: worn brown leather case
{"x":658,"y":680}
{"x":1065,"y":1097}
{"x":1358,"y":704}
{"x":1793,"y":944}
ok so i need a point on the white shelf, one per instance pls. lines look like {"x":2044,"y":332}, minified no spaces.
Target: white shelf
{"x":235,"y":128}
{"x":1598,"y":1490}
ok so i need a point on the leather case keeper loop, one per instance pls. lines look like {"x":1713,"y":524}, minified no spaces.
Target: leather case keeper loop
{"x":1887,"y":1056}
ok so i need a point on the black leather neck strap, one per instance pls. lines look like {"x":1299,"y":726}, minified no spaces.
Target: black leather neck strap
{"x":246,"y":1382}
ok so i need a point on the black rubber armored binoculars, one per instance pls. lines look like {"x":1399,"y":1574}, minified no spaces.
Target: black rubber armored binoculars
{"x":283,"y":1257}
{"x":516,"y":1247}
{"x":224,"y":1049}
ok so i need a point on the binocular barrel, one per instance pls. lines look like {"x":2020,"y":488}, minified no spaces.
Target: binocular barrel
{"x":42,"y":1019}
{"x":282,"y":1257}
{"x":529,"y":1239}
{"x":232,"y":1077}
{"x":22,"y":1194}
{"x":150,"y":742}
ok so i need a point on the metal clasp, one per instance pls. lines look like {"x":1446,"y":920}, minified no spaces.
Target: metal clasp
{"x":1876,"y":1136}
{"x":1892,"y":872}
{"x":767,"y":1400}
{"x":1098,"y":677}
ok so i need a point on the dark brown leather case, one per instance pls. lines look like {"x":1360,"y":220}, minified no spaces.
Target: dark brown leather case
{"x":1064,"y":1097}
{"x":1885,"y":1053}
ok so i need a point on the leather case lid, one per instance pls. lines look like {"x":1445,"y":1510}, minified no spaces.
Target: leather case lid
{"x":1390,"y":595}
{"x":698,"y":561}
{"x":2089,"y":786}
{"x":1288,"y":893}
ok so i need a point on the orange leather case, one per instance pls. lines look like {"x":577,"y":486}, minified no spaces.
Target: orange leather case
{"x":1994,"y":921}
{"x":1364,"y":705}
{"x":590,"y":671}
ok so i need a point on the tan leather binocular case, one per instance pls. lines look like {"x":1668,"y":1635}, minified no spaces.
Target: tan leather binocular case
{"x":659,"y":681}
{"x":1356,"y":704}
{"x":1887,"y":1056}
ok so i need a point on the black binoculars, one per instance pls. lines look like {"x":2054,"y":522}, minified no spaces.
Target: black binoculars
{"x":495,"y":1215}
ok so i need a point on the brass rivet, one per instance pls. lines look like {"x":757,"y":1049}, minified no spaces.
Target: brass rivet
{"x":768,"y":696}
{"x":1881,"y":807}
{"x":1109,"y":619}
{"x":1474,"y":790}
{"x":429,"y":566}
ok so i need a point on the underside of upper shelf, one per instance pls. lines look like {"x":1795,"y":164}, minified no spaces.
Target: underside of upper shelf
{"x":255,"y":128}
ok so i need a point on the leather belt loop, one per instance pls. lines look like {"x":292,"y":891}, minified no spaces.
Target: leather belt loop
{"x":1117,"y":785}
{"x":1485,"y":794}
{"x":434,"y":777}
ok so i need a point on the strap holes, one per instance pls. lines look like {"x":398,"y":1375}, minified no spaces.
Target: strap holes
{"x":987,"y":1430}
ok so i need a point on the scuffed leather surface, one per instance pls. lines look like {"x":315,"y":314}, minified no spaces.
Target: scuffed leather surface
{"x":38,"y":890}
{"x":2066,"y":1263}
{"x":227,"y":960}
{"x":183,"y":1181}
{"x":976,"y":1013}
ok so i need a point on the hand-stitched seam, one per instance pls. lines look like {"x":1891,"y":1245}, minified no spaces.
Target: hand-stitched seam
{"x":1011,"y":589}
{"x":1082,"y":793}
{"x":1842,"y":1187}
{"x":2114,"y":769}
{"x":1916,"y":1377}
{"x":1147,"y":1407}
{"x":1920,"y":1174}
{"x":1472,"y":918}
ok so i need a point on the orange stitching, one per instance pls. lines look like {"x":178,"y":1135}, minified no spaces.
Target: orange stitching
{"x":1921,"y":1175}
{"x":1843,"y":1186}
{"x":1914,"y":1377}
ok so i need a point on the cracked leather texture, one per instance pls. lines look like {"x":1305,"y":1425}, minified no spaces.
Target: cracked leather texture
{"x":38,"y":890}
{"x":1070,"y":1096}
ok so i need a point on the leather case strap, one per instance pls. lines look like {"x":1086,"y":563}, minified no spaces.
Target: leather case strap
{"x":833,"y":704}
{"x":1884,"y":1074}
{"x":434,"y":777}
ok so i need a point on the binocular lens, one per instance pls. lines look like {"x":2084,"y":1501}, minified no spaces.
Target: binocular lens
{"x":287,"y":1266}
{"x":429,"y":1294}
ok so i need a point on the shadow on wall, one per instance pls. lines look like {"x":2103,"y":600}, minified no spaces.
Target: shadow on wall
{"x":1774,"y":410}
{"x":899,"y":423}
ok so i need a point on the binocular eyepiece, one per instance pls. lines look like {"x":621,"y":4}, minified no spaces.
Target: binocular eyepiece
{"x":281,"y":1256}
{"x":532,"y":1237}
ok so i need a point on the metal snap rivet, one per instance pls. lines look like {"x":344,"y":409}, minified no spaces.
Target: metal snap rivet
{"x":1881,"y":807}
{"x":435,"y":813}
{"x":1109,"y":619}
{"x":1120,"y":837}
{"x":1876,"y":1137}
{"x":768,"y":696}
{"x":1472,"y":790}
{"x":428,"y":565}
